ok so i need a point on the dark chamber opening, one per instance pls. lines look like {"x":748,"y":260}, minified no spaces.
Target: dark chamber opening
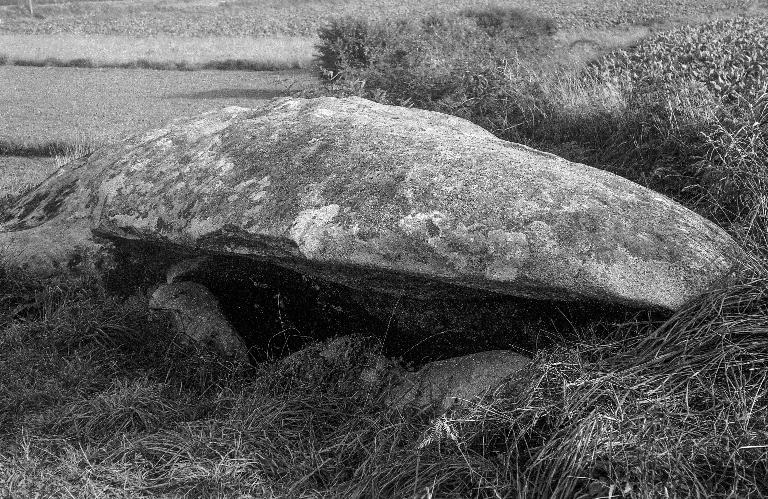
{"x":278,"y":311}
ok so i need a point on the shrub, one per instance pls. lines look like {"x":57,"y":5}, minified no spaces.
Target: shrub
{"x":348,"y":43}
{"x":498,"y":21}
{"x":432,"y":42}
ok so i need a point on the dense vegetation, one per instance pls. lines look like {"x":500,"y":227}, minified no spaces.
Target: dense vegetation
{"x":730,"y":57}
{"x":96,"y":401}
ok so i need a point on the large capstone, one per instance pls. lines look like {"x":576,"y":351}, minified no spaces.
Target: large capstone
{"x":383,"y":198}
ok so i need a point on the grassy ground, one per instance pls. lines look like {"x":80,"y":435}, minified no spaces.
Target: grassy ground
{"x":97,"y":400}
{"x":71,"y":105}
{"x":18,"y":173}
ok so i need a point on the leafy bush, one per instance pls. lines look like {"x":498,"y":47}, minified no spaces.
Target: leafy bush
{"x":498,"y":21}
{"x":347,"y":43}
{"x":729,"y":56}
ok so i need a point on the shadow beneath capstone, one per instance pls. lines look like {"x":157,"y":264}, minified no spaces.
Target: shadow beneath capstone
{"x":233,"y":93}
{"x":278,"y":311}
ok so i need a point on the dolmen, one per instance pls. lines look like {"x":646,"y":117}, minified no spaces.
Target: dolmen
{"x":408,"y":210}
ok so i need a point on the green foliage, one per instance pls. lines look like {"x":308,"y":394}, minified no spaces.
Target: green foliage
{"x":498,"y":21}
{"x":401,"y":45}
{"x":347,"y":43}
{"x":729,"y":56}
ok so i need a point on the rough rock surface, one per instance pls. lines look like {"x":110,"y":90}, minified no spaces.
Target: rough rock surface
{"x":198,"y":316}
{"x":47,"y":247}
{"x":355,"y":364}
{"x":447,"y":382}
{"x":384,"y":198}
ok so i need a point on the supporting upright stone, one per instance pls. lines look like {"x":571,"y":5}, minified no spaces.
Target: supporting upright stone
{"x":447,"y":382}
{"x":198,"y":316}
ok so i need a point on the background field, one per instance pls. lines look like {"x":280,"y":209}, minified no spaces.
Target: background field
{"x":39,"y":105}
{"x":159,"y":31}
{"x":303,"y":17}
{"x":47,"y":111}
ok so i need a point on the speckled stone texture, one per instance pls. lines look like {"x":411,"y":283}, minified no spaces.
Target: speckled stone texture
{"x":457,"y":380}
{"x":198,"y":317}
{"x":388,"y":199}
{"x":357,"y":365}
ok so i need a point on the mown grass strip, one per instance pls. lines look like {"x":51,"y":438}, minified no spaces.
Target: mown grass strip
{"x":223,"y":65}
{"x":158,"y":52}
{"x":36,"y":149}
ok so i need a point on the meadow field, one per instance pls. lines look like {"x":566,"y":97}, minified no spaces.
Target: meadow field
{"x":39,"y":106}
{"x":95,"y":401}
{"x":280,"y":32}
